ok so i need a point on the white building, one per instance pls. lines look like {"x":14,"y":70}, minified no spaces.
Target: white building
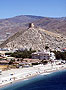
{"x":43,"y":55}
{"x":52,"y":56}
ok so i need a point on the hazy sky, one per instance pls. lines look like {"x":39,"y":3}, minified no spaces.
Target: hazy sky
{"x":46,"y":8}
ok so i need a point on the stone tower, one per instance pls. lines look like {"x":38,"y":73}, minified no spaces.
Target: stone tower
{"x":31,"y":25}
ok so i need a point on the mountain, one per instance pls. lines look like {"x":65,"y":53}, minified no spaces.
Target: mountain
{"x":35,"y":38}
{"x":53,"y":24}
{"x":14,"y":32}
{"x":10,"y":26}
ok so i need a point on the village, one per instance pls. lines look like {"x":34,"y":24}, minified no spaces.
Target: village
{"x":22,"y":57}
{"x":24,"y":64}
{"x":33,"y":45}
{"x":8,"y":62}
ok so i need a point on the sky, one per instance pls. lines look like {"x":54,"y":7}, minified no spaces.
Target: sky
{"x":46,"y":8}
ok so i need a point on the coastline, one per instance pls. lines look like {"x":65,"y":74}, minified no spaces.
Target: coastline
{"x":30,"y":75}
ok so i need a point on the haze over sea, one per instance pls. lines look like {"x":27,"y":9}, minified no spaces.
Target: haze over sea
{"x":53,"y":81}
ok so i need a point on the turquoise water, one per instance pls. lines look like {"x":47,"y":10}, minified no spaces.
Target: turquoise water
{"x":53,"y":81}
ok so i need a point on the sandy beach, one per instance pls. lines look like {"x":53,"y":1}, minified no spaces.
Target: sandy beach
{"x":14,"y":75}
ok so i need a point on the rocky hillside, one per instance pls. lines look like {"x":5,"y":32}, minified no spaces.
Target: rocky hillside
{"x":16,"y":35}
{"x":10,"y":26}
{"x":35,"y":38}
{"x":57,"y":25}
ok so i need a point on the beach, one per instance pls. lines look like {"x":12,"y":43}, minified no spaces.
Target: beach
{"x":14,"y":75}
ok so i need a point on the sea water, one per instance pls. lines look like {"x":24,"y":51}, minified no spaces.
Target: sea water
{"x":53,"y":81}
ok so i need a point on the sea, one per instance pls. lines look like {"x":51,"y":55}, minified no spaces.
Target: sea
{"x":53,"y":81}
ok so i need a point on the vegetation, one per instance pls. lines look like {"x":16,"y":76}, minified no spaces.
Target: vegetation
{"x":46,"y":47}
{"x":60,"y":55}
{"x":22,"y":54}
{"x":44,"y":62}
{"x":11,"y":62}
{"x":35,"y":63}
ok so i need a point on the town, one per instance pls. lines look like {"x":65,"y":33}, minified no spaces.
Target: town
{"x":22,"y":63}
{"x":25,"y":58}
{"x":27,"y":63}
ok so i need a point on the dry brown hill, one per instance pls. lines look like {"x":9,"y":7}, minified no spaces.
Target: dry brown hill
{"x":10,"y":26}
{"x":57,"y":25}
{"x":35,"y":38}
{"x":16,"y":35}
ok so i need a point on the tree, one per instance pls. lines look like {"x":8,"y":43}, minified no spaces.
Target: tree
{"x":44,"y":62}
{"x":60,"y":55}
{"x":11,"y":61}
{"x":23,"y":54}
{"x":46,"y":47}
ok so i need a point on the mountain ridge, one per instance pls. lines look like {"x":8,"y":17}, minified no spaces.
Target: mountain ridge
{"x":13,"y":25}
{"x":35,"y":38}
{"x":10,"y":27}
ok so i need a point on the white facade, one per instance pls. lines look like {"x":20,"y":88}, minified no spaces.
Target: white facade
{"x":52,"y":56}
{"x":43,"y":55}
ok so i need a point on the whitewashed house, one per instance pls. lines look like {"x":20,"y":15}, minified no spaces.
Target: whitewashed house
{"x":52,"y":56}
{"x":43,"y":55}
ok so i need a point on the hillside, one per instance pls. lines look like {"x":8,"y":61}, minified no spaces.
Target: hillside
{"x":57,"y":25}
{"x":35,"y":38}
{"x":10,"y":26}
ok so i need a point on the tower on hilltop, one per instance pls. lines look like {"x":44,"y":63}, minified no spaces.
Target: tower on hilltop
{"x":31,"y":25}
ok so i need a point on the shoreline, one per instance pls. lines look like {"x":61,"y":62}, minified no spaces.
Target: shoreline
{"x":28,"y":76}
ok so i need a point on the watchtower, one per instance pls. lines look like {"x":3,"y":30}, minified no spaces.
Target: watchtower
{"x":31,"y":25}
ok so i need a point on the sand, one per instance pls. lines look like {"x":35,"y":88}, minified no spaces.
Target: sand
{"x":13,"y":75}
